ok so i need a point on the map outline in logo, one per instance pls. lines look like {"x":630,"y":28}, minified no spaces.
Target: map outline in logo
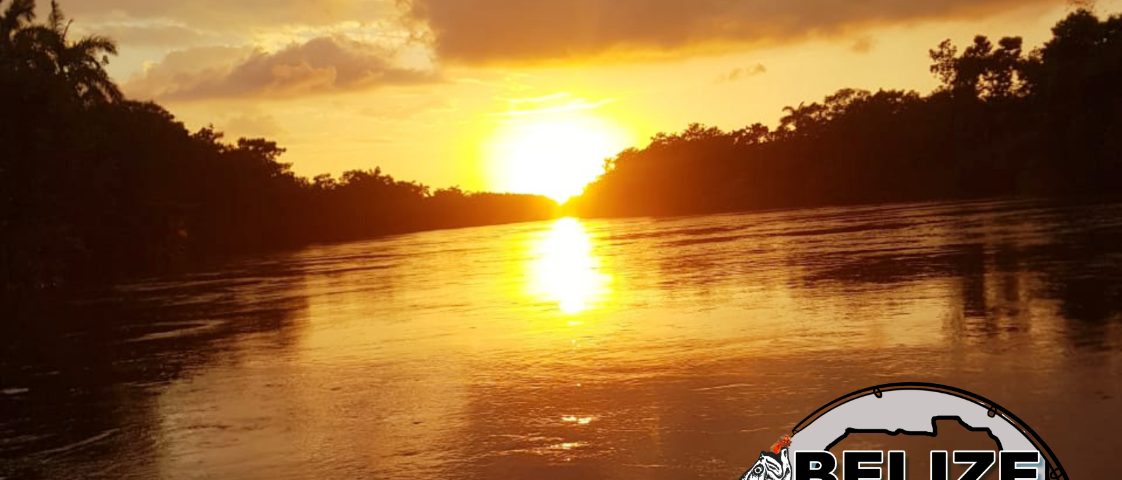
{"x":904,"y":408}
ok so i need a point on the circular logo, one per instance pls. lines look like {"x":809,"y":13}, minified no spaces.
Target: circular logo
{"x":907,"y":409}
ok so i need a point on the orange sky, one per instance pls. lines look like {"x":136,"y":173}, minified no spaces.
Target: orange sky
{"x":514,"y":95}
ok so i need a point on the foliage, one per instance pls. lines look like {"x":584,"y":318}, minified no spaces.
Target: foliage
{"x":1003,"y":122}
{"x":93,"y":185}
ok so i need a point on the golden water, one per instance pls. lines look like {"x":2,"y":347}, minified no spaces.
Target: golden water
{"x":632,"y":348}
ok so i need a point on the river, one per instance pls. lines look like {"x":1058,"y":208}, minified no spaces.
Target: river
{"x":628,"y":348}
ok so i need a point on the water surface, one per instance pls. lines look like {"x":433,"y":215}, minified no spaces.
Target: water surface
{"x":632,"y":348}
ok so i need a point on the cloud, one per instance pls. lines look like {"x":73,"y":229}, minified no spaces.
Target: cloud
{"x":226,"y":14}
{"x":559,"y":102}
{"x":743,"y":72}
{"x":253,"y":125}
{"x":483,"y":31}
{"x":160,"y":34}
{"x":863,"y":45}
{"x":321,"y":65}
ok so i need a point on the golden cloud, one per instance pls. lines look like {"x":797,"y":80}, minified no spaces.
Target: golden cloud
{"x":482,"y":31}
{"x":321,"y":65}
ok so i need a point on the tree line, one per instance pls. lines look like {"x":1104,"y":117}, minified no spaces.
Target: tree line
{"x":1003,"y":122}
{"x":94,"y":185}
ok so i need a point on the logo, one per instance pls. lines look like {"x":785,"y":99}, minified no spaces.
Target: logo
{"x":902,"y":411}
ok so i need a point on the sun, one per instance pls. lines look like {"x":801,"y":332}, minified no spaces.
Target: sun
{"x":553,"y":155}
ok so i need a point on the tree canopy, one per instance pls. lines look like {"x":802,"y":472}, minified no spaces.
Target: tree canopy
{"x":1003,"y":122}
{"x":94,"y":185}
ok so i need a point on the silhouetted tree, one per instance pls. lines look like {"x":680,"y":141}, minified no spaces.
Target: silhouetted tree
{"x":93,"y":185}
{"x":981,"y":71}
{"x":1001,"y":123}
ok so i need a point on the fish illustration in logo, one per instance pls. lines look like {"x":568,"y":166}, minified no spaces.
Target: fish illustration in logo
{"x":773,"y":465}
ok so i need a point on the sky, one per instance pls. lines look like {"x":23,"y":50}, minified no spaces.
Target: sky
{"x":516,"y":95}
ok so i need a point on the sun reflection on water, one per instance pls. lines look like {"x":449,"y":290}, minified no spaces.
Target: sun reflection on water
{"x":565,"y":270}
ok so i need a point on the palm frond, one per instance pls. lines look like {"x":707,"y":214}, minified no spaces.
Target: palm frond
{"x":56,"y":18}
{"x":94,"y":46}
{"x":18,"y":14}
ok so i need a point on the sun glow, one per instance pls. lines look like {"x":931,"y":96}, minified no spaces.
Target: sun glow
{"x":565,"y":269}
{"x":552,"y":153}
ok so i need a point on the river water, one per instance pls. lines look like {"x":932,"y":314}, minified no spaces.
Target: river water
{"x":631,"y":348}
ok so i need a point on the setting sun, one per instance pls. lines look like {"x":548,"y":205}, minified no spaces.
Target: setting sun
{"x":553,"y":154}
{"x":336,"y":239}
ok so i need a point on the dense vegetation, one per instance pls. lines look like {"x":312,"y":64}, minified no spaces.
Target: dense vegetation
{"x":1004,"y":122}
{"x":93,"y":185}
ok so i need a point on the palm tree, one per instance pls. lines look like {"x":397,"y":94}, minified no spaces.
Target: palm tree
{"x":81,"y":63}
{"x":45,"y":48}
{"x":802,"y":120}
{"x":18,"y":14}
{"x":83,"y":69}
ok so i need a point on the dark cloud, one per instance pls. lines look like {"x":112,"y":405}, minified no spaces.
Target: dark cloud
{"x":321,"y":65}
{"x":863,"y":45}
{"x":532,"y":30}
{"x":743,"y":72}
{"x":227,"y":14}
